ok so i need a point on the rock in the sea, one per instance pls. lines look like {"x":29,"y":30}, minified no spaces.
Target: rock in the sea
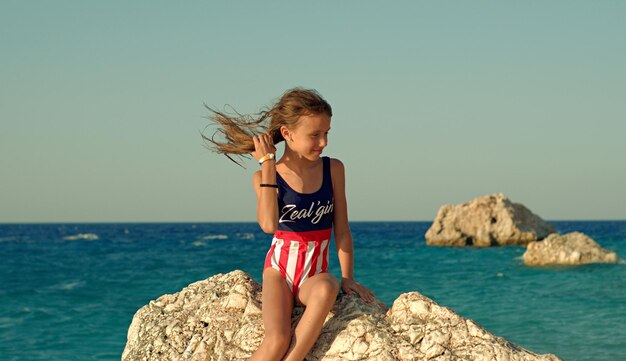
{"x":219,"y":319}
{"x":486,"y":221}
{"x":568,"y":249}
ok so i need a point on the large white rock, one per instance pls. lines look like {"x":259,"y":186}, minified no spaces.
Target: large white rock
{"x":219,"y":319}
{"x":568,"y":249}
{"x":491,"y":220}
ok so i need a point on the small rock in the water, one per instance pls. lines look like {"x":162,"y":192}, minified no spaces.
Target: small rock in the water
{"x":569,"y":249}
{"x":487,"y":221}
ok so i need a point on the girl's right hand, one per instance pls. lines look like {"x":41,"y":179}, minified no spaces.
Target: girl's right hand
{"x":263,"y":144}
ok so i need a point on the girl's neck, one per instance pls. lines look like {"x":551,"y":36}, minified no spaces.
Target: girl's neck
{"x":297,"y":163}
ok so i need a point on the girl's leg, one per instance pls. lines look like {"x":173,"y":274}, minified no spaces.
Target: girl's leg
{"x":318,"y":294}
{"x":277,"y":307}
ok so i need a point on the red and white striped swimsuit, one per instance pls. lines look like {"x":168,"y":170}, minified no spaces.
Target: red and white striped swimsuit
{"x":299,"y":248}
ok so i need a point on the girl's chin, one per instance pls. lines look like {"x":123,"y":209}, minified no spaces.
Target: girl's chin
{"x":313,"y":156}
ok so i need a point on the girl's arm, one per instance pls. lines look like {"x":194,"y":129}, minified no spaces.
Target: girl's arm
{"x":267,"y":199}
{"x":343,"y":236}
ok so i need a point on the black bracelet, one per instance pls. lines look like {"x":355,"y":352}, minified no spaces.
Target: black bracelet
{"x":269,"y":185}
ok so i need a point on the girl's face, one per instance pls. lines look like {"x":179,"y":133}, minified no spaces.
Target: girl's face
{"x":310,"y":136}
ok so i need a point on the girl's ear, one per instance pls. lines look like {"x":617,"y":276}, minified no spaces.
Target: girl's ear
{"x":284,"y":131}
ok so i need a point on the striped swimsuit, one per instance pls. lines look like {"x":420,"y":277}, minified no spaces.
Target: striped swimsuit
{"x":299,"y":248}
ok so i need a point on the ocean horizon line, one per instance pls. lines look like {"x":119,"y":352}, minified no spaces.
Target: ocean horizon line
{"x":252,"y":222}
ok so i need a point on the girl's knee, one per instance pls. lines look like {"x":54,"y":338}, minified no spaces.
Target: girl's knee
{"x":329,"y":288}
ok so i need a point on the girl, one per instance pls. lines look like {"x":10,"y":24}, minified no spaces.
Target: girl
{"x":300,"y":199}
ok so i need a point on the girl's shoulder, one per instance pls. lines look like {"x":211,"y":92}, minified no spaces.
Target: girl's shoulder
{"x":337,"y":172}
{"x":336,"y":165}
{"x":256,"y":181}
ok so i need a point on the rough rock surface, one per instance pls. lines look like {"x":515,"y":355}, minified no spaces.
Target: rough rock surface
{"x":491,"y":220}
{"x":568,"y":249}
{"x":220,"y":319}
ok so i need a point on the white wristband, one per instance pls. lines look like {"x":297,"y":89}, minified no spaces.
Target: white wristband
{"x":266,"y":157}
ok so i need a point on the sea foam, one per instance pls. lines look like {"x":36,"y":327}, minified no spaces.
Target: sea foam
{"x":87,"y":236}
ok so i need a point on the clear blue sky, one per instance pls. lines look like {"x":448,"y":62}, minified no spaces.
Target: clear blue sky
{"x":101,"y":104}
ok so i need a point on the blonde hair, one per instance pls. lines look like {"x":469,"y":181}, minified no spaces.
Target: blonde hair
{"x":237,"y":130}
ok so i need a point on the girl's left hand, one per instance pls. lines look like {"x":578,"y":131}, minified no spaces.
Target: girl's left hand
{"x":348,"y":286}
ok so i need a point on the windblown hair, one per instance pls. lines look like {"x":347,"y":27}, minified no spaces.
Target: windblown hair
{"x":236,"y":131}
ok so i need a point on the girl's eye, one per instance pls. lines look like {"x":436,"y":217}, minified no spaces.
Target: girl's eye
{"x":318,"y":134}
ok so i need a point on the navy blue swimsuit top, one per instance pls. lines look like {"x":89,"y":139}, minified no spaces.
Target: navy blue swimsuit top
{"x":303,"y":212}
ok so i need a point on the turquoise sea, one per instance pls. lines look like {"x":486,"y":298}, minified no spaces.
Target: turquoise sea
{"x":69,"y":291}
